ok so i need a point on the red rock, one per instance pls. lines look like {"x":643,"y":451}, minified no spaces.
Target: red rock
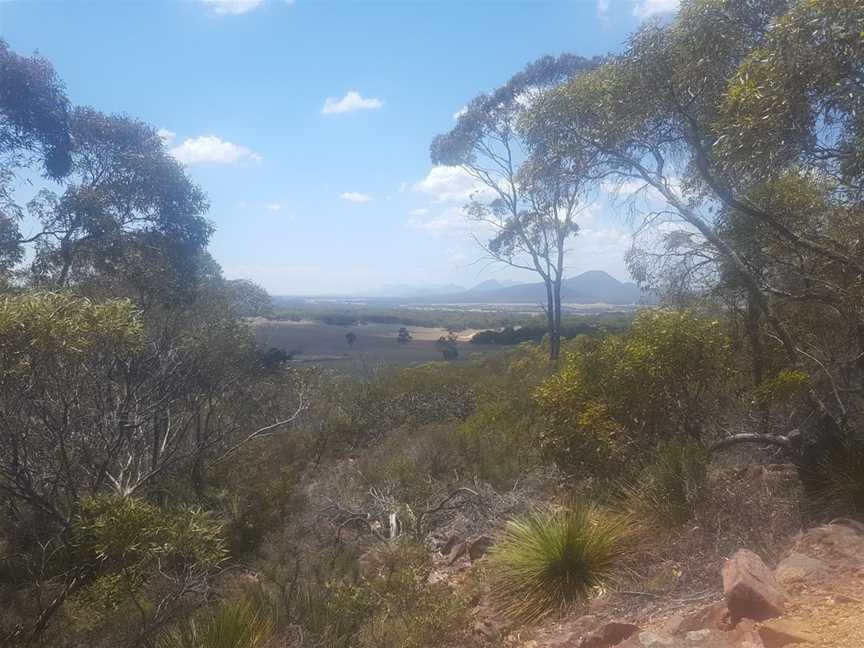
{"x":609,"y":635}
{"x":779,"y":633}
{"x":798,"y":567}
{"x":751,"y":590}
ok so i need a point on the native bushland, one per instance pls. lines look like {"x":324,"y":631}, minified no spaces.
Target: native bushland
{"x":166,"y":482}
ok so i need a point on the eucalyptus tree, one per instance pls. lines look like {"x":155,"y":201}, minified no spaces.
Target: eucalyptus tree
{"x":529,"y":198}
{"x":34,"y":115}
{"x":773,"y":211}
{"x":126,"y":198}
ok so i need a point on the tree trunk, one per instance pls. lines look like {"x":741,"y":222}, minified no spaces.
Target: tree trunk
{"x":555,"y":337}
{"x":757,"y":359}
{"x":550,"y":320}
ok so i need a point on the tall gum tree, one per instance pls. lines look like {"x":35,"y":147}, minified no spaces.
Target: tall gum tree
{"x":744,"y":197}
{"x":529,"y":199}
{"x":34,"y":128}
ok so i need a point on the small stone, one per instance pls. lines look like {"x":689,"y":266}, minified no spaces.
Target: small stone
{"x":486,"y":629}
{"x":478,"y":547}
{"x":673,"y":624}
{"x":651,"y":640}
{"x":697,"y":636}
{"x":609,"y":635}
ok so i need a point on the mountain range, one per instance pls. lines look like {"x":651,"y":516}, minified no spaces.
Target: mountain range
{"x":592,"y":287}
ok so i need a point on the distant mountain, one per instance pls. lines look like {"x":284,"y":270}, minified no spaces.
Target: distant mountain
{"x":592,"y":287}
{"x":405,"y":290}
{"x":493,"y":284}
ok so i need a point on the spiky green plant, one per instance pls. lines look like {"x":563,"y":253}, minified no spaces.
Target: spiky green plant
{"x":230,"y":624}
{"x":548,"y":560}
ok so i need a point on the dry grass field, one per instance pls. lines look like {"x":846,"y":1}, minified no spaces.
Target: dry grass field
{"x":325,"y":344}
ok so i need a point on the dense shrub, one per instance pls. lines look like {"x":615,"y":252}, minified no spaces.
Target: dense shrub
{"x":532,"y":333}
{"x":497,"y":443}
{"x":391,"y":605}
{"x":548,"y":561}
{"x":617,"y":395}
{"x":670,"y":485}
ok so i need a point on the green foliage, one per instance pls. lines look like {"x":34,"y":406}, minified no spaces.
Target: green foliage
{"x":39,"y":330}
{"x":617,"y":395}
{"x":496,"y":443}
{"x":548,"y":561}
{"x":126,"y":541}
{"x":404,"y":336}
{"x":446,"y":346}
{"x":256,"y":495}
{"x":570,"y":328}
{"x":392,"y":606}
{"x":782,"y":388}
{"x":796,"y":80}
{"x":230,"y":624}
{"x":669,"y":486}
{"x":399,"y":608}
{"x":428,"y":394}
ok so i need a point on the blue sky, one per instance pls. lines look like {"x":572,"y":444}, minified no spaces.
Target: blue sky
{"x":308,"y":123}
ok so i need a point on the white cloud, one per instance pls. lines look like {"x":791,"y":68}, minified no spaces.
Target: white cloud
{"x":355,"y":197}
{"x":209,"y":148}
{"x":460,"y":112}
{"x":603,"y":8}
{"x":232,"y":7}
{"x":455,"y":256}
{"x":452,"y":222}
{"x":168,"y":137}
{"x":273,"y":206}
{"x":452,"y":184}
{"x":648,"y":8}
{"x":601,"y":248}
{"x":353,"y":100}
{"x":419,"y":212}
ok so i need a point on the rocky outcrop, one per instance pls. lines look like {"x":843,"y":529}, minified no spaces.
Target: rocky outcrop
{"x":798,"y":567}
{"x":813,"y":599}
{"x":750,"y":588}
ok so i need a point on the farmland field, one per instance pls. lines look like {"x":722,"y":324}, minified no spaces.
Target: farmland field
{"x":326,"y":345}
